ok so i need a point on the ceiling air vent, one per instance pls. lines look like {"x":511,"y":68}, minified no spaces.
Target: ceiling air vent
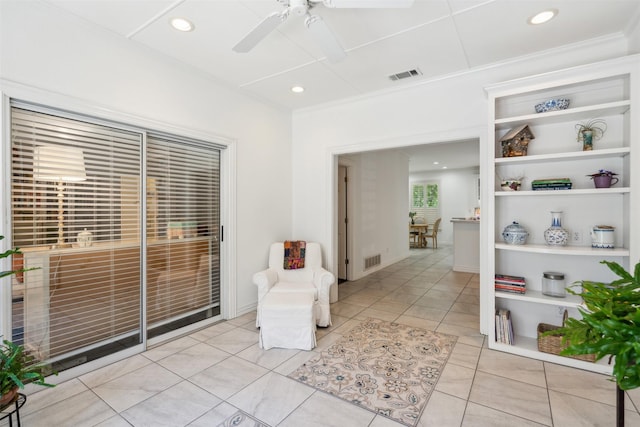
{"x":406,"y":74}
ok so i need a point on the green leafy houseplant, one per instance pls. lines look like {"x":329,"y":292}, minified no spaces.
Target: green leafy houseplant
{"x":7,"y":254}
{"x":18,"y":368}
{"x":610,"y":326}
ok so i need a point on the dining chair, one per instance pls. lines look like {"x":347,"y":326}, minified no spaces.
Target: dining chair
{"x":433,"y":234}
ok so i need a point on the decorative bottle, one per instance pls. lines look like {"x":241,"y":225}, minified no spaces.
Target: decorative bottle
{"x":556,"y":235}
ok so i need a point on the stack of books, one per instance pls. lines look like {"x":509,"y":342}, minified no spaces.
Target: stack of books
{"x":506,"y":283}
{"x":504,"y":327}
{"x":551,"y":184}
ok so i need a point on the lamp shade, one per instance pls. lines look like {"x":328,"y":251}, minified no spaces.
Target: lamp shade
{"x":54,"y":163}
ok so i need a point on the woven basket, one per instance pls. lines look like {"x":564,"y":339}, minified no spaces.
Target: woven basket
{"x":553,"y":343}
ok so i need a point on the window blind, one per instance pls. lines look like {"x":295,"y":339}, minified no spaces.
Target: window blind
{"x":68,"y":176}
{"x":74,"y":176}
{"x":183,"y":272}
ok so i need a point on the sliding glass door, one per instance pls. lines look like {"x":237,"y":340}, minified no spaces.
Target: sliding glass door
{"x":121,"y":226}
{"x":183,"y":251}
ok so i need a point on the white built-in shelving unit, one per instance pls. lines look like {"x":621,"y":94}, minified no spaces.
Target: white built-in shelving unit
{"x":608,"y":90}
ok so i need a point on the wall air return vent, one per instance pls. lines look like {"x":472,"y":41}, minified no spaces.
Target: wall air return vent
{"x":371,"y":261}
{"x":406,"y":74}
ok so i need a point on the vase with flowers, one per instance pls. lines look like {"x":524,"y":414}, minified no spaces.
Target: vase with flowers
{"x":604,"y":178}
{"x":412,"y":215}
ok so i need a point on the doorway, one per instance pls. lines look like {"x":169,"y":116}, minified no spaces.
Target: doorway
{"x":343,"y":224}
{"x":379,"y":195}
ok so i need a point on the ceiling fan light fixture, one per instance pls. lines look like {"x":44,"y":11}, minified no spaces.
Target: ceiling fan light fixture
{"x":318,"y":30}
{"x":299,"y":7}
{"x":297,"y":89}
{"x":542,"y":17}
{"x":182,"y":24}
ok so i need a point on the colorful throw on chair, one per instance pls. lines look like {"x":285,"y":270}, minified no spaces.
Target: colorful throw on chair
{"x":294,"y":254}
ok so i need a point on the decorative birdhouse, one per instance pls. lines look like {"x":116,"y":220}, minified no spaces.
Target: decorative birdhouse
{"x":516,"y":141}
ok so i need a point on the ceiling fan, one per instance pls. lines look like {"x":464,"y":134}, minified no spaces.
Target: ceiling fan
{"x":319,"y":31}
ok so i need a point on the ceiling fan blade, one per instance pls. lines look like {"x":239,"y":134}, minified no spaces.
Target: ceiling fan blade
{"x":368,"y":4}
{"x":262,"y":30}
{"x":325,"y":38}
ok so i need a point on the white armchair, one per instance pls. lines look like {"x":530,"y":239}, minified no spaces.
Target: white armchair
{"x":312,"y":279}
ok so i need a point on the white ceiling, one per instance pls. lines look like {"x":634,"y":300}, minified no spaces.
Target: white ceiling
{"x":450,"y":155}
{"x":438,"y":37}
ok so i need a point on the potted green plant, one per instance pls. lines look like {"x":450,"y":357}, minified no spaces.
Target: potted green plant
{"x":17,"y":367}
{"x":412,"y":215}
{"x":610,"y":326}
{"x":590,"y":131}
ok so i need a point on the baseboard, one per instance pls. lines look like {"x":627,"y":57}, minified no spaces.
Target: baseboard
{"x":245,"y":309}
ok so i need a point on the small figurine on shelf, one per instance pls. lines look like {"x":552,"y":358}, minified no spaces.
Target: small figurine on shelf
{"x":516,"y":141}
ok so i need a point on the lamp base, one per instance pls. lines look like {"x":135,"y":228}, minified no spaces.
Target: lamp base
{"x":60,"y":245}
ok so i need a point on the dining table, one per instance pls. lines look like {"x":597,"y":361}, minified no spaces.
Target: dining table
{"x":421,"y":229}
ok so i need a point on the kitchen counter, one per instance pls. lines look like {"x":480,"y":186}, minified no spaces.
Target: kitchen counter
{"x":466,"y":245}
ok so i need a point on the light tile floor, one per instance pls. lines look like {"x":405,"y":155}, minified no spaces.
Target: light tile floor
{"x":203,"y":378}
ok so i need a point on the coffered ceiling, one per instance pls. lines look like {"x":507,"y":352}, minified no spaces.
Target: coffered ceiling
{"x":435,"y":37}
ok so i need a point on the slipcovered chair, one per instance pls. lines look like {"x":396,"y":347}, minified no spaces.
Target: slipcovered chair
{"x":312,"y":279}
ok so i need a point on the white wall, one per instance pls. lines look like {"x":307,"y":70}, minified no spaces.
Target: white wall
{"x":634,"y":38}
{"x":377,"y":213}
{"x":74,"y":66}
{"x":458,"y":196}
{"x":446,"y":109}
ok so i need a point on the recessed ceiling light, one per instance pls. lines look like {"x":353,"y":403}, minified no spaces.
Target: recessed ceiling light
{"x":542,"y":17}
{"x":436,"y":163}
{"x":297,"y":89}
{"x":182,"y":24}
{"x":444,"y":167}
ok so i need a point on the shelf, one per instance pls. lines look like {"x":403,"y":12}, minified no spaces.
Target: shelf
{"x":560,"y":157}
{"x":564,"y":250}
{"x":528,"y":347}
{"x":611,"y":108}
{"x":539,"y":298}
{"x":572,"y":192}
{"x":606,"y":95}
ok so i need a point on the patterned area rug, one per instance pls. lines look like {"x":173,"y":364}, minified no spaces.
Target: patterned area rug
{"x":388,"y":368}
{"x":241,"y":419}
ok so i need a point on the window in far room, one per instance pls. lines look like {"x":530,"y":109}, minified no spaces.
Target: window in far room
{"x":425,"y":200}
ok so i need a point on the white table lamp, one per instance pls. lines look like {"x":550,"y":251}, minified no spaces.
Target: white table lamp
{"x":59,"y":165}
